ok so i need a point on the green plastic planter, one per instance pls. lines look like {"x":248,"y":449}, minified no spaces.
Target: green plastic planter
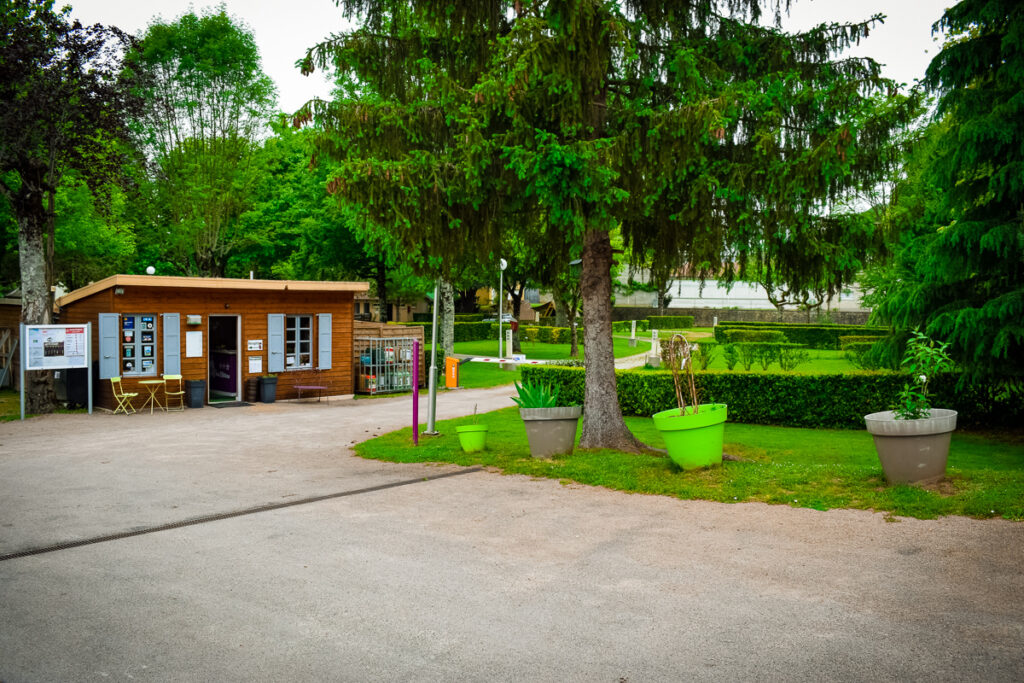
{"x":693,"y":440}
{"x":472,"y":437}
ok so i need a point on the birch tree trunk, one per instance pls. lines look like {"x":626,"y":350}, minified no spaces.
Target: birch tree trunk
{"x":446,"y":318}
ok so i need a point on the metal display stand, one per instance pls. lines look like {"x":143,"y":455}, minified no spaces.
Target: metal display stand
{"x":385,"y":364}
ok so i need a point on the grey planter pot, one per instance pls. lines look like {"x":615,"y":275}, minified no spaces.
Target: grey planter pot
{"x":551,"y":431}
{"x":912,"y":451}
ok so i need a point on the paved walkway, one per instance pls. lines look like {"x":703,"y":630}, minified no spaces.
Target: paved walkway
{"x":475,"y":576}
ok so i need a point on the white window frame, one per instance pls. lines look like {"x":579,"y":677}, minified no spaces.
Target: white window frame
{"x":295,"y":347}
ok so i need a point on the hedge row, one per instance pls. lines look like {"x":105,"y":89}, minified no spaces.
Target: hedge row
{"x":626,"y":326}
{"x":670,"y":322}
{"x":469,"y":317}
{"x":868,"y":339}
{"x":814,"y":336}
{"x":792,"y":400}
{"x":481,"y":331}
{"x":747,"y":336}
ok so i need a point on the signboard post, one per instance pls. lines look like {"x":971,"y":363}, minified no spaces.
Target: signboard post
{"x":56,"y":347}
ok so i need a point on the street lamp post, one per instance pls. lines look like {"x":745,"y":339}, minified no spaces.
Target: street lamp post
{"x":502,"y":263}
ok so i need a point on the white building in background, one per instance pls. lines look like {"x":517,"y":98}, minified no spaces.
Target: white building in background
{"x":687,"y":293}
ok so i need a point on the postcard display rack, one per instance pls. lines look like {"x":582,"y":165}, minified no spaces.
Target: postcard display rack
{"x":138,"y":345}
{"x":385,"y":365}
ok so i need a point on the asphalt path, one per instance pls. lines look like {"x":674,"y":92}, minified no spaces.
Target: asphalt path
{"x":435,"y":572}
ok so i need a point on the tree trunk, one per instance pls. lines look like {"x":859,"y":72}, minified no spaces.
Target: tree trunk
{"x":446,"y":318}
{"x":35,"y":290}
{"x":603,"y":426}
{"x":561,"y":307}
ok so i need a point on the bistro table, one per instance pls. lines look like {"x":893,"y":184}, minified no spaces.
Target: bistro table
{"x":151,"y":386}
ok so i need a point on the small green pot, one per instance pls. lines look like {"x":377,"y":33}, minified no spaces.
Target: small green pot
{"x":472,"y":437}
{"x":693,"y":440}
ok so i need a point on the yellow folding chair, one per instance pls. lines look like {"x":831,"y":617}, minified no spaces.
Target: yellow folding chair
{"x":124,"y":398}
{"x":174,"y":391}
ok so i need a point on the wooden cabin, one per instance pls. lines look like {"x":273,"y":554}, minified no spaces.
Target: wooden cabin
{"x":221,"y":330}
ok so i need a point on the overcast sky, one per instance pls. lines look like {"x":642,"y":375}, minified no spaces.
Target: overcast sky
{"x":284,"y":29}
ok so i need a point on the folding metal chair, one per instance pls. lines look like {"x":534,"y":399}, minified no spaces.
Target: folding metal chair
{"x":173,"y":391}
{"x":124,"y":399}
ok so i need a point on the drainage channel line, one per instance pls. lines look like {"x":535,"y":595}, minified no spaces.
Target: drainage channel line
{"x":225,"y":515}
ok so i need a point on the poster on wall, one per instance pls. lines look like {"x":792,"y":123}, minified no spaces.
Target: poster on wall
{"x":55,"y":347}
{"x":193,"y":344}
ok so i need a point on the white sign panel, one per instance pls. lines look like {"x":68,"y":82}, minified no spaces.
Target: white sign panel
{"x":255,"y":365}
{"x":55,"y":347}
{"x":255,"y":345}
{"x":194,"y":344}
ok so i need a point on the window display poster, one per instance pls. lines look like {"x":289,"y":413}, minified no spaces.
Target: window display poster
{"x":55,"y":347}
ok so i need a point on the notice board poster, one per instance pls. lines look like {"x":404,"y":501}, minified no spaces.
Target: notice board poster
{"x":55,"y":347}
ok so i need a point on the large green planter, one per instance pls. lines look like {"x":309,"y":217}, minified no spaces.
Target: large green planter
{"x":472,"y":437}
{"x":693,"y":440}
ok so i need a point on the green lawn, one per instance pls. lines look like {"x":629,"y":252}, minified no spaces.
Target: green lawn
{"x":812,"y":468}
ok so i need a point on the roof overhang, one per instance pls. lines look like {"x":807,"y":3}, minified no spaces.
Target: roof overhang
{"x":222,"y":283}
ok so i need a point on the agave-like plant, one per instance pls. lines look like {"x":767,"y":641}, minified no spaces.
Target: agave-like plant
{"x":536,"y":395}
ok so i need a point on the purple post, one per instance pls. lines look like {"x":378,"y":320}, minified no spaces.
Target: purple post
{"x":416,"y":392}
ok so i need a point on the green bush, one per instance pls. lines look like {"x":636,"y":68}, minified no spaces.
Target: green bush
{"x":469,"y":317}
{"x":669,"y":322}
{"x":745,"y":336}
{"x":858,"y":339}
{"x":813,"y":336}
{"x":731,"y":355}
{"x":861,"y":355}
{"x":794,"y":400}
{"x":424,"y":317}
{"x":706,"y":351}
{"x":792,"y":356}
{"x":626,"y":326}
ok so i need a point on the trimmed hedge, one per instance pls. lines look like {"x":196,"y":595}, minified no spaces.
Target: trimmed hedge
{"x":549,"y":335}
{"x":792,"y":400}
{"x":482,"y":331}
{"x":469,"y":317}
{"x":858,"y":339}
{"x":670,"y":322}
{"x":626,"y":326}
{"x":814,"y":336}
{"x":745,"y":336}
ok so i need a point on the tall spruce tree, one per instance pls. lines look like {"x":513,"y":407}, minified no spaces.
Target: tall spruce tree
{"x":708,"y":138}
{"x":961,"y":275}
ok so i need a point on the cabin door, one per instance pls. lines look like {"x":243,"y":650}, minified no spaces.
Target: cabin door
{"x":225,"y":376}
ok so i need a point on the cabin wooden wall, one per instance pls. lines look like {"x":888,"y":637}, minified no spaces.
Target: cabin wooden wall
{"x":252,"y":308}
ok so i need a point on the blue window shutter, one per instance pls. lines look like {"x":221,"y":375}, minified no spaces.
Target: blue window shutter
{"x":172,"y":343}
{"x":275,"y":342}
{"x":323,"y":340}
{"x":109,"y":335}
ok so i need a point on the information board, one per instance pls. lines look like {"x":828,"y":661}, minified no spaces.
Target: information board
{"x":55,"y":347}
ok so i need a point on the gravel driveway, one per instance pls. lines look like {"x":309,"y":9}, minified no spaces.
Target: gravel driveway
{"x":398,"y":573}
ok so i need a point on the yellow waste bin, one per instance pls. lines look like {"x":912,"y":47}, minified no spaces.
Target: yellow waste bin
{"x":451,"y":372}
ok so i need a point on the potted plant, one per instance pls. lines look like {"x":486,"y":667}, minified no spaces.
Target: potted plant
{"x":550,"y":427}
{"x":694,"y":432}
{"x":472,"y":437}
{"x":912,"y":440}
{"x":268,"y":388}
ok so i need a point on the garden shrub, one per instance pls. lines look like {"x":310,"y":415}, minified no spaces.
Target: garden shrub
{"x":795,"y":400}
{"x":469,"y":317}
{"x":669,"y":322}
{"x":705,"y":353}
{"x":858,"y":339}
{"x":626,"y":326}
{"x":792,"y":356}
{"x":813,"y":336}
{"x":861,"y":355}
{"x":744,"y":336}
{"x":731,"y":355}
{"x":425,"y":317}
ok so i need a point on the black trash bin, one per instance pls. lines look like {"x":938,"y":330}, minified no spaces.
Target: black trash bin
{"x":195,"y":393}
{"x":268,"y":388}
